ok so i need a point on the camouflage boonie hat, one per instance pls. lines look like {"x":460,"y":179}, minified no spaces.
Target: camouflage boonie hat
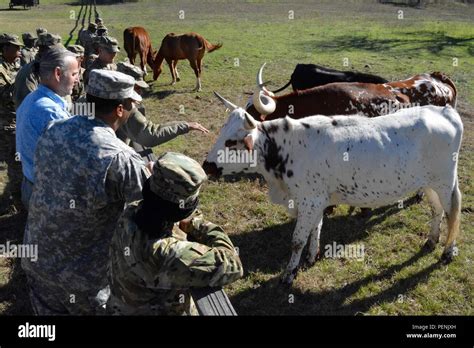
{"x":133,"y":71}
{"x":102,"y":31}
{"x":48,"y":39}
{"x":92,"y":26}
{"x":28,"y":36}
{"x":109,"y":43}
{"x":40,"y":31}
{"x":109,"y":84}
{"x":177,"y":178}
{"x":76,"y":49}
{"x":98,"y":20}
{"x":10,"y":39}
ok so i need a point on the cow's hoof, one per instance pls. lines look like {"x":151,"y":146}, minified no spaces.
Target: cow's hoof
{"x":448,"y":256}
{"x":429,"y":246}
{"x":310,"y":261}
{"x":178,"y":79}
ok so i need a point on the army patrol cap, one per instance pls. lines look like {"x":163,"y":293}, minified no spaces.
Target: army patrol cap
{"x":76,"y":49}
{"x":48,"y":39}
{"x":109,"y":84}
{"x":40,"y":31}
{"x":177,"y":178}
{"x":109,"y":43}
{"x":133,"y":71}
{"x":92,"y":26}
{"x":10,"y":39}
{"x":28,"y":36}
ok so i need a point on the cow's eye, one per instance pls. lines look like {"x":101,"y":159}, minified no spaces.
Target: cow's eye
{"x":229,"y":143}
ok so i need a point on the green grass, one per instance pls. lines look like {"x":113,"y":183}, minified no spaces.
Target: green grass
{"x":394,"y":278}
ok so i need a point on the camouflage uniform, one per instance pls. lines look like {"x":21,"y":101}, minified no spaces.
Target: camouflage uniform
{"x":110,"y":44}
{"x":84,"y":176}
{"x":78,"y":89}
{"x":8,"y":72}
{"x":28,"y":52}
{"x":153,"y":276}
{"x":86,"y":38}
{"x":140,"y":130}
{"x":27,"y":79}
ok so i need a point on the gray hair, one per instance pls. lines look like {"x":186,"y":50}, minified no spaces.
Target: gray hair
{"x":52,"y":59}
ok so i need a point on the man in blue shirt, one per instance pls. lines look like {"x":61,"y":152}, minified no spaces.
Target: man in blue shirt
{"x":59,"y":72}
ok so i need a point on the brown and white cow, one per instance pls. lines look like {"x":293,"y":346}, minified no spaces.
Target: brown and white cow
{"x":137,"y":41}
{"x":342,"y":98}
{"x":305,"y":165}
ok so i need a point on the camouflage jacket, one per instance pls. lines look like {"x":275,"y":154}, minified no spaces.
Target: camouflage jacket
{"x":153,"y":276}
{"x":8,"y":73}
{"x":86,"y":39}
{"x":146,"y":133}
{"x":27,"y":55}
{"x":26,"y":81}
{"x":84,"y":175}
{"x":97,"y":64}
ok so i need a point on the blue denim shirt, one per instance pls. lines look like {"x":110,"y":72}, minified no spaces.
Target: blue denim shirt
{"x":32,"y":116}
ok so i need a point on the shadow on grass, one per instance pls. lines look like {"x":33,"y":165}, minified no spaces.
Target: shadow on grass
{"x":268,"y":250}
{"x":15,"y":291}
{"x":271,"y":297}
{"x":408,"y":43}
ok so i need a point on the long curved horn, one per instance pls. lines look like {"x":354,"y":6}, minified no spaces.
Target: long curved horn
{"x":260,"y":83}
{"x":224,"y":101}
{"x":264,"y":104}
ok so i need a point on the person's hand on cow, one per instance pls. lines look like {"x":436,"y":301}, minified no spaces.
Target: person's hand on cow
{"x":197,"y":126}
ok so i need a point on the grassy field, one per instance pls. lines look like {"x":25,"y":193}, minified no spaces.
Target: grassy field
{"x":394,"y":277}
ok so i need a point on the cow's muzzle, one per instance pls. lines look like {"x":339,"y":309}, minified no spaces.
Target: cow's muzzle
{"x":210,"y":168}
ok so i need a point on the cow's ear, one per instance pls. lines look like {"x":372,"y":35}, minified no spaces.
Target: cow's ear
{"x":248,"y":142}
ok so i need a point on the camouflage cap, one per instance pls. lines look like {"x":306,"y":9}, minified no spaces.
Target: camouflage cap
{"x":92,"y":26}
{"x":98,"y":20}
{"x":109,"y":84}
{"x":40,"y":31}
{"x":109,"y":43}
{"x":28,"y":36}
{"x":177,"y":178}
{"x":77,"y":49}
{"x":48,"y":39}
{"x":10,"y":39}
{"x":133,"y":71}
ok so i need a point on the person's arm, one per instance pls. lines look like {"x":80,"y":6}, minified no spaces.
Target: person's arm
{"x":125,"y":177}
{"x":146,"y":133}
{"x":184,"y":264}
{"x":6,"y":92}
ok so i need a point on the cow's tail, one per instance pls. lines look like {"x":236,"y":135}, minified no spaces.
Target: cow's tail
{"x":445,"y":79}
{"x":210,"y":47}
{"x":282,"y":88}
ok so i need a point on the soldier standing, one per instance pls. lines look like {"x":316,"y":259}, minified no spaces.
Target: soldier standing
{"x":86,"y":38}
{"x":9,"y":65}
{"x":108,"y":49}
{"x":28,"y":52}
{"x":152,"y":264}
{"x":84,"y":177}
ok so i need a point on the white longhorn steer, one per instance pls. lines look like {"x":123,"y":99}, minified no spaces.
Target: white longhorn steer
{"x":319,"y":161}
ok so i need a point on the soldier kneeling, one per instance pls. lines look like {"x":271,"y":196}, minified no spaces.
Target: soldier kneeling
{"x":153,"y":263}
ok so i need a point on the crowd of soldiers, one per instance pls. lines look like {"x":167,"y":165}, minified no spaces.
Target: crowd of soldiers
{"x":116,"y":233}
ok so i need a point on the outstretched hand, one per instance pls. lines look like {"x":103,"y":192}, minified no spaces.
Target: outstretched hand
{"x":197,"y":126}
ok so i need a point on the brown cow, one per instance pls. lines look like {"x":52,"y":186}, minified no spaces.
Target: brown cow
{"x":136,"y":40}
{"x":343,"y":98}
{"x":190,"y":46}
